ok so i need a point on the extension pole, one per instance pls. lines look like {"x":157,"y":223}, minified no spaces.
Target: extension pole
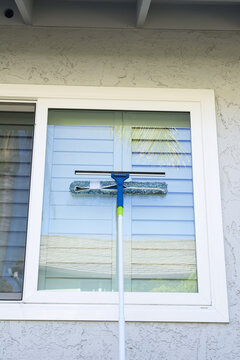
{"x":120,"y":178}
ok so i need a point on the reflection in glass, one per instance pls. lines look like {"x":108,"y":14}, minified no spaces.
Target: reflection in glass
{"x":78,"y":241}
{"x":16,"y":136}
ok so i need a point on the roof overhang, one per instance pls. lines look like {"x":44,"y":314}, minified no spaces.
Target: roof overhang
{"x":150,"y":14}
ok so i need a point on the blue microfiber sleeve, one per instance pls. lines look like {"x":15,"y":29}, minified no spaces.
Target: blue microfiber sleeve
{"x":129,"y":187}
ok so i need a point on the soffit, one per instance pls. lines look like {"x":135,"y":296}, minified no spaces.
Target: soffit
{"x":122,"y":14}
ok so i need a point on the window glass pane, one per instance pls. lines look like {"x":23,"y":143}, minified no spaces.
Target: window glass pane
{"x":78,"y":241}
{"x":78,"y":232}
{"x":16,"y":137}
{"x":161,"y":229}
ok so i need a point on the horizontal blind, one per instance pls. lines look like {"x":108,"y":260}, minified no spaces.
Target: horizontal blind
{"x":16,"y":139}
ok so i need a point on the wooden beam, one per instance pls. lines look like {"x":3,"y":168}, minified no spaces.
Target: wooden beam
{"x":25,"y":9}
{"x":142,"y":11}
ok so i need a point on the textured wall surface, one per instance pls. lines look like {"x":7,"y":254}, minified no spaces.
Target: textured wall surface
{"x":143,"y":58}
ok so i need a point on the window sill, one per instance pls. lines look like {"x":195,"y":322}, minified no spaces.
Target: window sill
{"x":87,"y":312}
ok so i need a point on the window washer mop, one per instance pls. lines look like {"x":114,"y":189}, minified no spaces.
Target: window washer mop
{"x":119,"y":187}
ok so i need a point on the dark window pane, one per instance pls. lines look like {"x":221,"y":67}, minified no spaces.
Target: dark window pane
{"x":16,"y":138}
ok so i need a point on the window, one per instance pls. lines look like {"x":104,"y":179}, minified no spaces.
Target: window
{"x":16,"y":135}
{"x":78,"y":235}
{"x":173,"y":244}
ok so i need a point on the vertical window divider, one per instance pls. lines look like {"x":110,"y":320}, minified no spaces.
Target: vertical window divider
{"x":127,"y":219}
{"x":117,"y":166}
{"x":35,"y":202}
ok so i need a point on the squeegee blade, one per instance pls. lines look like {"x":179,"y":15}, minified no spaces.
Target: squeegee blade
{"x":131,"y":173}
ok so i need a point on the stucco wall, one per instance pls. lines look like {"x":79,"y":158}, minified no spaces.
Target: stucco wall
{"x":144,"y":58}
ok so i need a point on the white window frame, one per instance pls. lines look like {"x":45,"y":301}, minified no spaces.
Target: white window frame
{"x":210,"y":303}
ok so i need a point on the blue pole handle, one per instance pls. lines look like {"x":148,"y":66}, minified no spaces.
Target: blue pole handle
{"x":120,"y":178}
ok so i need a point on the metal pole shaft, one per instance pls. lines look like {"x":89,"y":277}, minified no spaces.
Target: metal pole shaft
{"x":120,"y":178}
{"x":121,"y":319}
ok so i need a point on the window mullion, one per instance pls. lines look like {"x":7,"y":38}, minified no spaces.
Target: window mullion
{"x":127,"y":220}
{"x":117,"y":166}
